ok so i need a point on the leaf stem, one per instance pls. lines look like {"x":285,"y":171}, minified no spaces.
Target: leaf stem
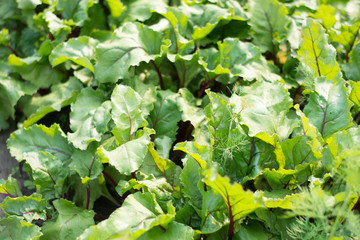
{"x":206,"y":85}
{"x":110,"y":178}
{"x":159,"y":75}
{"x":351,"y":46}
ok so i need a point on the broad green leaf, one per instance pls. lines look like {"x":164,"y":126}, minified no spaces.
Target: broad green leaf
{"x":218,"y":115}
{"x":293,"y":152}
{"x":164,"y":167}
{"x":213,"y":212}
{"x":61,"y":95}
{"x":190,"y":112}
{"x":16,"y":228}
{"x":89,"y":117}
{"x":129,"y":156}
{"x":76,"y":10}
{"x":165,"y":115}
{"x":252,"y":230}
{"x":347,"y":35}
{"x":87,"y":191}
{"x":316,"y":54}
{"x":116,"y":7}
{"x":141,"y":9}
{"x":58,"y":27}
{"x":205,"y":17}
{"x":329,"y":107}
{"x":70,"y":222}
{"x":30,"y":207}
{"x":344,"y":140}
{"x":264,"y":108}
{"x":127,"y":112}
{"x":36,"y":71}
{"x":79,"y":50}
{"x":10,"y":92}
{"x":139,"y":213}
{"x":48,"y":152}
{"x":326,"y":15}
{"x":236,"y":58}
{"x":269,"y":22}
{"x":174,"y":231}
{"x":201,"y":154}
{"x":355,"y":94}
{"x":239,"y":202}
{"x":28,"y":4}
{"x":86,"y":163}
{"x":352,"y":68}
{"x":38,"y":140}
{"x":130,"y":45}
{"x":10,"y":187}
{"x":190,"y":177}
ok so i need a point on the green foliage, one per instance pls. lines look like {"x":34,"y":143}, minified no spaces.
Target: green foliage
{"x":186,"y":119}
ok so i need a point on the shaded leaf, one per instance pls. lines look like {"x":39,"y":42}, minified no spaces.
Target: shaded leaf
{"x":16,"y":228}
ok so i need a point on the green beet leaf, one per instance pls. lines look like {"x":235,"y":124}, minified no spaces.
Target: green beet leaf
{"x":239,"y":203}
{"x":79,"y":50}
{"x":352,"y":68}
{"x":269,"y":22}
{"x":10,"y":187}
{"x":264,"y":108}
{"x":129,"y":46}
{"x":89,"y":117}
{"x":36,"y":71}
{"x":62,"y":95}
{"x":10,"y":92}
{"x":165,"y":115}
{"x":30,"y":207}
{"x":139,"y":213}
{"x":77,"y":11}
{"x":174,"y":230}
{"x":329,"y":107}
{"x":70,"y":222}
{"x":16,"y":228}
{"x":127,"y":112}
{"x":129,"y":156}
{"x":316,"y":54}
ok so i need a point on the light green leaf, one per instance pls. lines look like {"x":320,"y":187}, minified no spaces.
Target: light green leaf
{"x":58,"y":27}
{"x":316,"y":54}
{"x":116,"y":7}
{"x":127,"y":112}
{"x":61,"y":95}
{"x":28,"y":4}
{"x":76,"y":10}
{"x":352,"y":68}
{"x":173,"y":231}
{"x":239,"y":203}
{"x":129,"y":156}
{"x":48,"y":152}
{"x":190,"y":177}
{"x":269,"y":22}
{"x":293,"y":152}
{"x":342,"y":141}
{"x":36,"y":71}
{"x":326,"y":15}
{"x":201,"y":154}
{"x":10,"y":92}
{"x":30,"y":207}
{"x":347,"y":35}
{"x":329,"y":108}
{"x":130,"y":45}
{"x":236,"y":58}
{"x":79,"y":50}
{"x":205,"y":17}
{"x":10,"y":187}
{"x":89,"y":117}
{"x":141,"y":9}
{"x":355,"y":94}
{"x":264,"y":108}
{"x":70,"y":222}
{"x":139,"y":213}
{"x":190,"y":112}
{"x":165,"y":115}
{"x":16,"y":228}
{"x":86,"y":163}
